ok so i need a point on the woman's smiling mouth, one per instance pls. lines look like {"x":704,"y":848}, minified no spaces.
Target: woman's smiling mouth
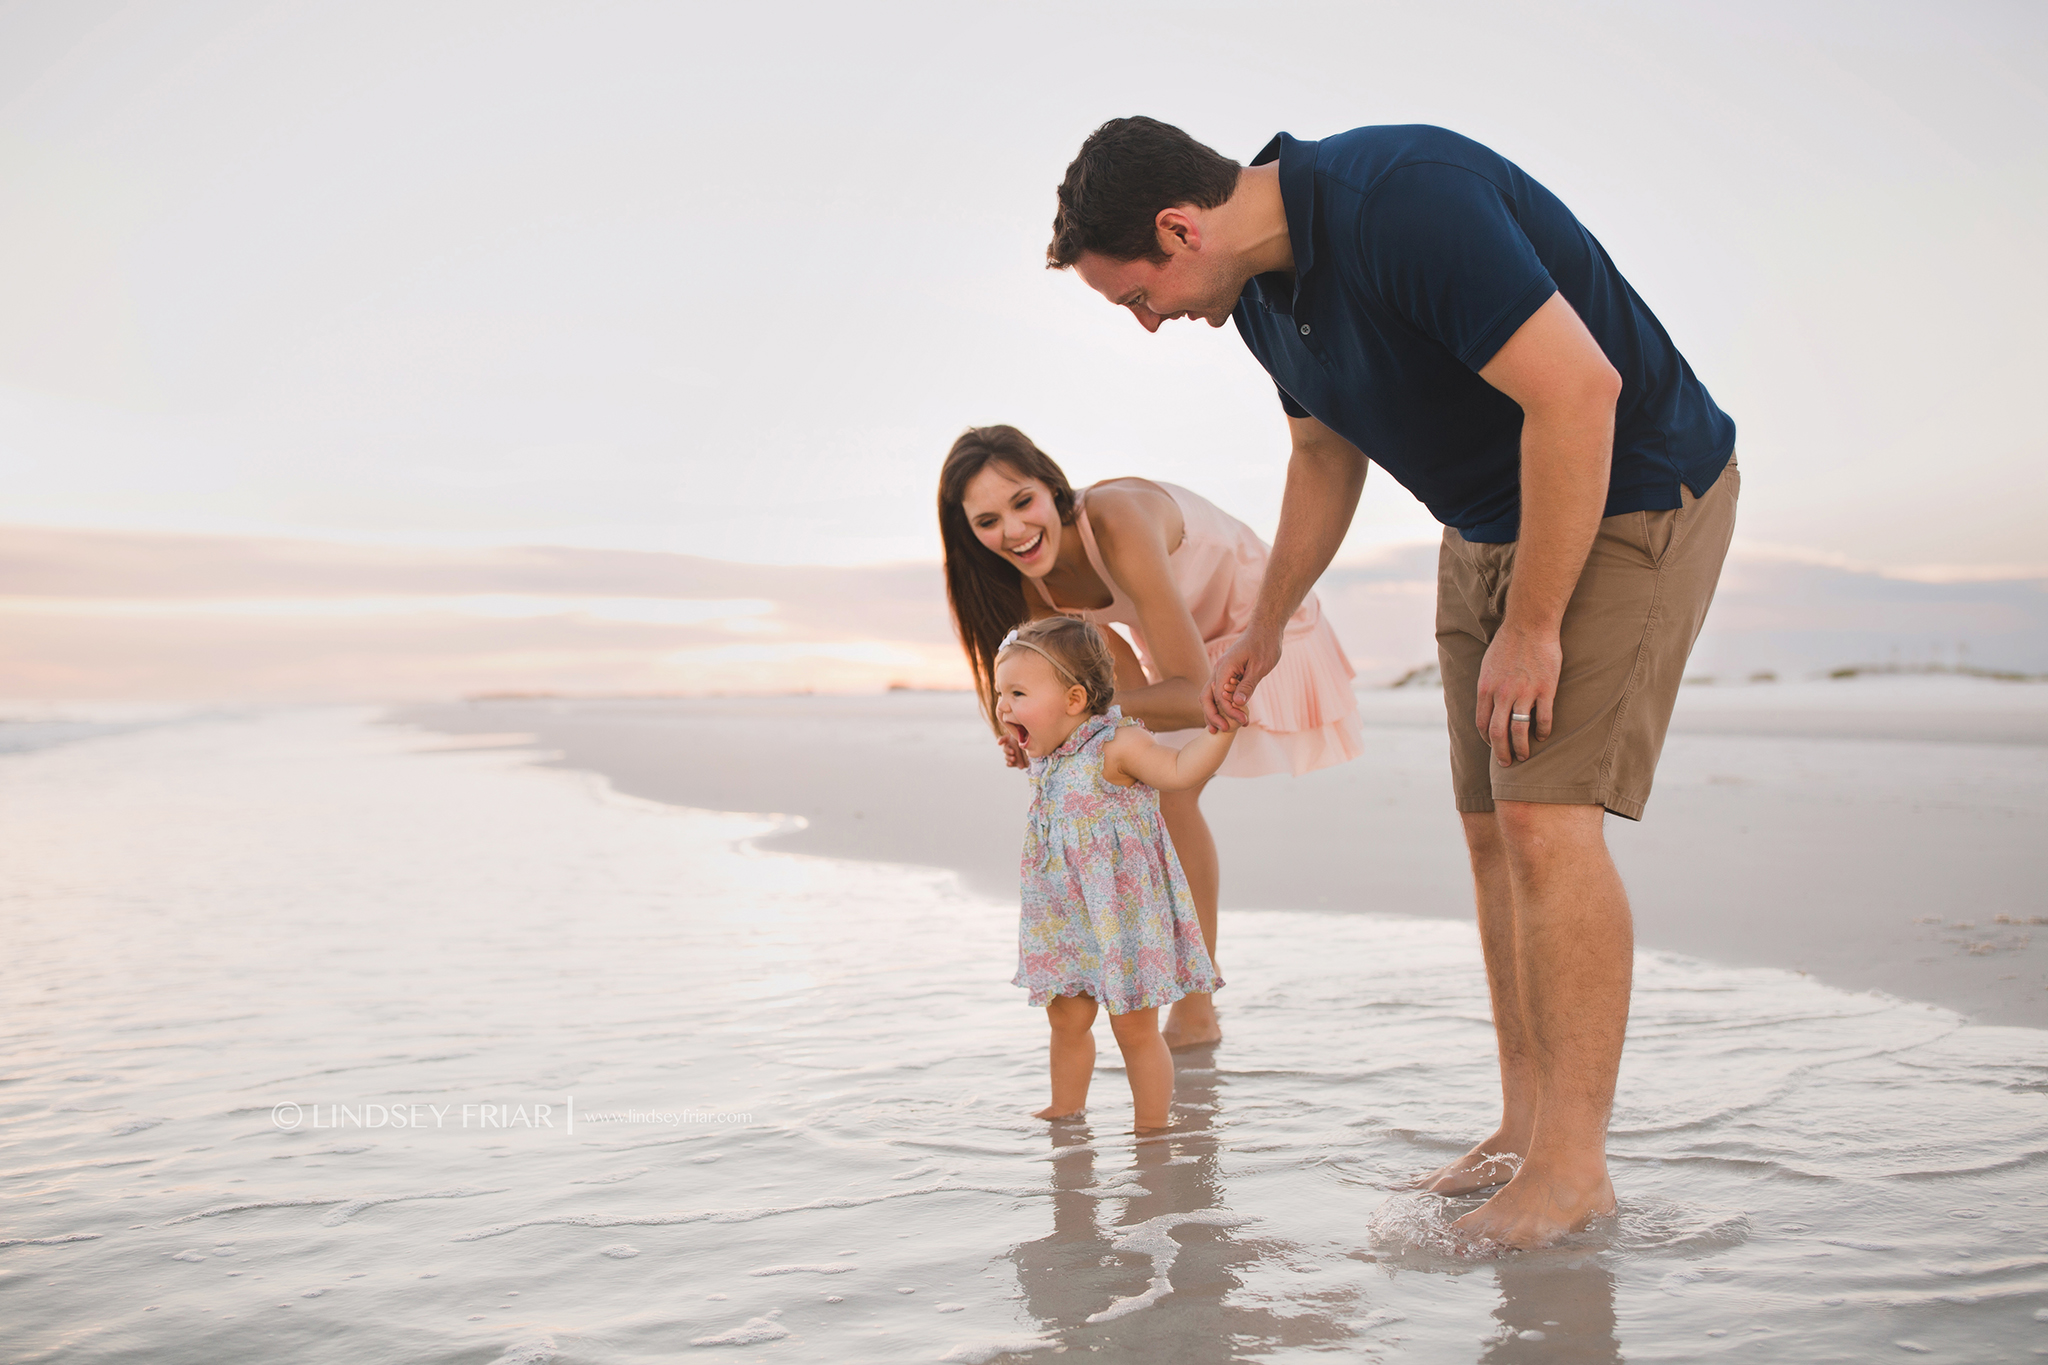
{"x":1030,"y":547}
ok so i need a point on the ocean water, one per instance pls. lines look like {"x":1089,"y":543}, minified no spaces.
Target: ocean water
{"x":331,"y":1041}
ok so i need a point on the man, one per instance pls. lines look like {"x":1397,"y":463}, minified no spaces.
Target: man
{"x":1423,"y":304}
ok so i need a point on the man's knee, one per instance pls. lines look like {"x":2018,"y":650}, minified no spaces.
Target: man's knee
{"x":1521,"y":821}
{"x":1483,"y":840}
{"x":1482,"y":830}
{"x":1530,"y":831}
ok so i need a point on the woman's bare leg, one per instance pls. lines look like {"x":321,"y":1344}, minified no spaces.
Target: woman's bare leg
{"x":1073,"y":1054}
{"x":1192,"y":1020}
{"x":1149,"y":1065}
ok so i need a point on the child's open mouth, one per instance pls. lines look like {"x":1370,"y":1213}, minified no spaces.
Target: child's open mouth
{"x":1020,"y":734}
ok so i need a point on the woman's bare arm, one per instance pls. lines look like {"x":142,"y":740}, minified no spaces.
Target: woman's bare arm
{"x":1325,"y":475}
{"x":1130,"y":673}
{"x":1137,"y":527}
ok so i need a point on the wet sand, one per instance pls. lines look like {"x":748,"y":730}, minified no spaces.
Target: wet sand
{"x":341,"y":1042}
{"x":1880,"y":834}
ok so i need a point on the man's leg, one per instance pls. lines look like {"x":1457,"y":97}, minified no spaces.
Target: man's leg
{"x":1638,"y":606}
{"x":1574,"y":951}
{"x":1494,"y":892}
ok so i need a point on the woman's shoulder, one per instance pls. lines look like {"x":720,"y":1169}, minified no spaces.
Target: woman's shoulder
{"x":1123,"y":494}
{"x":1131,"y":507}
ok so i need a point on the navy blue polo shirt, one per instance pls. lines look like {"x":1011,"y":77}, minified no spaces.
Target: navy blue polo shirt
{"x":1417,"y":253}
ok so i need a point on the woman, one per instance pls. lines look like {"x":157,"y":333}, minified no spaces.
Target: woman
{"x":1182,"y":577}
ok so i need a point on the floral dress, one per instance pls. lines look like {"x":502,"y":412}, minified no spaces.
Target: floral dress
{"x":1107,"y":912}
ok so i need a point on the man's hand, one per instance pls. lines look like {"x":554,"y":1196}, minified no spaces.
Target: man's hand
{"x":1228,"y":697}
{"x":1518,"y":677}
{"x":1325,"y":474}
{"x":1567,"y":389}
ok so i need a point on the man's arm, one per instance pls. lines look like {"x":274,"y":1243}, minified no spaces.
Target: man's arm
{"x":1325,"y":475}
{"x":1567,"y":390}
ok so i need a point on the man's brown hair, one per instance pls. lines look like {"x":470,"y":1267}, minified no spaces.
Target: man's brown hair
{"x":1127,"y":171}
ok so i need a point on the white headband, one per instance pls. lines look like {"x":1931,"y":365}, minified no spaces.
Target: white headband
{"x":1011,"y":641}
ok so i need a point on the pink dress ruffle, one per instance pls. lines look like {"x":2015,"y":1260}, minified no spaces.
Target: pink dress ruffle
{"x":1303,"y":714}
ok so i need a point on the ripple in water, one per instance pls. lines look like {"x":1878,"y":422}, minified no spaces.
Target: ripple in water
{"x":799,"y":1090}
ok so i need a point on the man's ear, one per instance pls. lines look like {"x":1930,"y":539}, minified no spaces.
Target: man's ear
{"x":1077,"y":699}
{"x":1178,"y":230}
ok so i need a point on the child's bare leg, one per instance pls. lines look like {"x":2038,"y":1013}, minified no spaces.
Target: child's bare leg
{"x":1149,"y":1063}
{"x":1073,"y":1054}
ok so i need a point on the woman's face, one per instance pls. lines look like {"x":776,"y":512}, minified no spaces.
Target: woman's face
{"x":1015,"y":517}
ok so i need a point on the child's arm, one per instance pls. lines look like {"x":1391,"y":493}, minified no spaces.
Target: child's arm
{"x":1134,"y":756}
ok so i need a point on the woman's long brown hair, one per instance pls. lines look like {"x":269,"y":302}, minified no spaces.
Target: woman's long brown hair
{"x":986,"y":591}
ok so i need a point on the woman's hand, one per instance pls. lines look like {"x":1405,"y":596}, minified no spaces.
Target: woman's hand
{"x":1013,"y":752}
{"x":1228,"y":697}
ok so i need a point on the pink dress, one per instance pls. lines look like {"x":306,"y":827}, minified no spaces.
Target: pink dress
{"x":1303,"y":715}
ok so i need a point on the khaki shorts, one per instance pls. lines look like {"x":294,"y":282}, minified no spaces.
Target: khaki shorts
{"x":1628,"y":628}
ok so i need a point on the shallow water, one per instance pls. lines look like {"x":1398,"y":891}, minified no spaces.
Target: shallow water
{"x":799,"y":1090}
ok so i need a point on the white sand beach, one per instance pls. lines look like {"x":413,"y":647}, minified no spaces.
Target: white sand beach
{"x":1880,"y":833}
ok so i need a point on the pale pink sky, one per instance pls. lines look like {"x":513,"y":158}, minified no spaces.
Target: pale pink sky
{"x":725,"y":281}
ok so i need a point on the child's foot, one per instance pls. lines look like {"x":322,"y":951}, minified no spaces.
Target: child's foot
{"x":1054,"y":1113}
{"x":1192,"y":1023}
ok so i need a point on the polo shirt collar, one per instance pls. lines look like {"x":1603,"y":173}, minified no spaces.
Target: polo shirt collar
{"x":1298,"y":196}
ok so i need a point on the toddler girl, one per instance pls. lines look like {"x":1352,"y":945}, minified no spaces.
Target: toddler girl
{"x":1107,"y":913}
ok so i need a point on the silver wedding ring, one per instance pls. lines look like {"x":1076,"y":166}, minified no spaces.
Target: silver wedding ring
{"x":1516,"y":715}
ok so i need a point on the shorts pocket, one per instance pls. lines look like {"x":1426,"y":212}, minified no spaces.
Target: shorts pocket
{"x":1645,"y":534}
{"x":1665,"y":531}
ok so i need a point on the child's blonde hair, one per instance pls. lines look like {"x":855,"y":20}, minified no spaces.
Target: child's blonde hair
{"x":1077,"y":652}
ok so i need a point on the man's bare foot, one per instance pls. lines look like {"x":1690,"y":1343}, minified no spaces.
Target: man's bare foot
{"x":1191,"y":1024}
{"x":1492,"y":1162}
{"x":1054,"y":1113}
{"x":1540,"y":1206}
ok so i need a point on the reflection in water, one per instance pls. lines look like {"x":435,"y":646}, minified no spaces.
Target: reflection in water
{"x":1094,"y":1283}
{"x":1833,"y":1175}
{"x":1555,"y":1309}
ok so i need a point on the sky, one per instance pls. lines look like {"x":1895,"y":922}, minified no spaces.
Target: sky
{"x":725,"y":281}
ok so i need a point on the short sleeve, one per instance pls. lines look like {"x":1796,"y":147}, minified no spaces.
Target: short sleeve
{"x":1440,"y":245}
{"x":1289,"y":406}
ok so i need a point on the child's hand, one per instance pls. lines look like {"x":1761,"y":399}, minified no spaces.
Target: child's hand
{"x":1013,"y":752}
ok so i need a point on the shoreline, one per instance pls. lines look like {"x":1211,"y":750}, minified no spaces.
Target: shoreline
{"x":1875,"y":835}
